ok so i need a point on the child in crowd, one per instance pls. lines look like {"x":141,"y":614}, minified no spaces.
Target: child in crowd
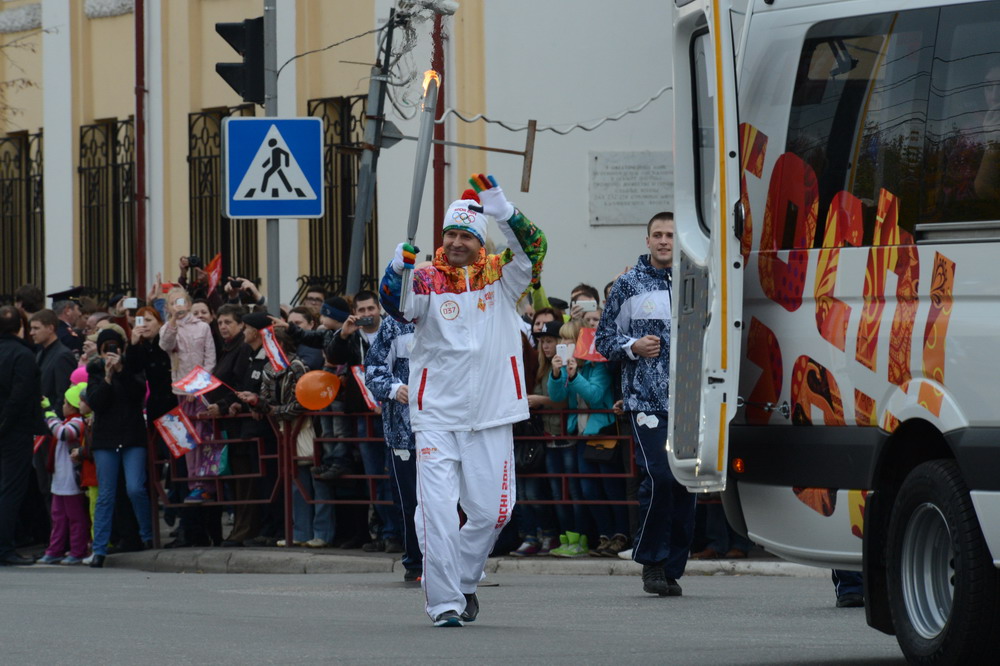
{"x":70,"y":518}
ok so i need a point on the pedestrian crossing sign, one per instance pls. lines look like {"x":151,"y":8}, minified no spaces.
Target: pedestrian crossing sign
{"x":272,"y":167}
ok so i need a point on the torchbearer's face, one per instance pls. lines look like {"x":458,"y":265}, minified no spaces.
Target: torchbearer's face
{"x":461,"y":247}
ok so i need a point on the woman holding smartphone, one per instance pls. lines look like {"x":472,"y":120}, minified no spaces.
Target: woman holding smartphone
{"x":115,"y":393}
{"x":189,"y":342}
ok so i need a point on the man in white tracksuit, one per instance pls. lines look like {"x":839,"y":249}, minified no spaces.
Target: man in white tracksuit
{"x":466,"y":389}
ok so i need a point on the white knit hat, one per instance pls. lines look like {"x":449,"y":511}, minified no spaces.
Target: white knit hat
{"x":467,"y":215}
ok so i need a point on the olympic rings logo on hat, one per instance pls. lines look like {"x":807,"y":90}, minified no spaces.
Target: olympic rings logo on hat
{"x":462,"y":217}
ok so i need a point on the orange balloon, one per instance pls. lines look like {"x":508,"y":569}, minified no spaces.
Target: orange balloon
{"x":317,"y":389}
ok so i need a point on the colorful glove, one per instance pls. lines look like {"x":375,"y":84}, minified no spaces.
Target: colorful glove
{"x":492,"y":198}
{"x":405,"y":257}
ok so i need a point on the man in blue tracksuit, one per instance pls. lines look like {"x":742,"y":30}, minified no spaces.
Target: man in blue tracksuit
{"x":635,"y":329}
{"x":387,"y":375}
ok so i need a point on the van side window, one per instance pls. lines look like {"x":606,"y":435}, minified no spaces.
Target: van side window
{"x":859,"y":111}
{"x":962,"y":160}
{"x":908,"y":103}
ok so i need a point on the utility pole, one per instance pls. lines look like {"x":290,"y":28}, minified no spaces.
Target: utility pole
{"x":270,"y":111}
{"x":369,"y":160}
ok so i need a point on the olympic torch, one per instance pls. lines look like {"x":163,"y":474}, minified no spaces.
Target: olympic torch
{"x":424,"y":140}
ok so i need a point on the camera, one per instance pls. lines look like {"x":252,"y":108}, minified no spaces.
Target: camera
{"x":131,"y":303}
{"x":111,"y":348}
{"x":235,"y":285}
{"x":364,"y":321}
{"x":194,"y":261}
{"x":587,"y":306}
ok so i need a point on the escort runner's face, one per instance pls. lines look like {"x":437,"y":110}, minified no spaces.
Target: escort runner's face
{"x":660,"y":243}
{"x":460,"y":247}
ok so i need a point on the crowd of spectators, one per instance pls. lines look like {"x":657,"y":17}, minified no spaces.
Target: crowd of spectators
{"x":108,"y":371}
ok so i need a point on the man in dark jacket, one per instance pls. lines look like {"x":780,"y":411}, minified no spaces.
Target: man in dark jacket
{"x":350,"y":346}
{"x":20,"y":417}
{"x":56,"y":363}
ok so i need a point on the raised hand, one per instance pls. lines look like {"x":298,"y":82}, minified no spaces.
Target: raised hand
{"x":404,"y":258}
{"x":492,"y":198}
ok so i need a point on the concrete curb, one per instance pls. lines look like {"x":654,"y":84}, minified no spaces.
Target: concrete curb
{"x":293,"y":561}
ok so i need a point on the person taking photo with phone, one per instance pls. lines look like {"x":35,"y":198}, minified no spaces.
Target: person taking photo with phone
{"x":115,"y":393}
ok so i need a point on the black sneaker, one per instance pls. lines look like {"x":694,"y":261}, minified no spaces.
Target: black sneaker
{"x":471,"y":611}
{"x":374,"y":546}
{"x":654,"y":581}
{"x":673,"y":588}
{"x":393,"y":546}
{"x":412,"y":575}
{"x":850,"y":600}
{"x":448,"y":619}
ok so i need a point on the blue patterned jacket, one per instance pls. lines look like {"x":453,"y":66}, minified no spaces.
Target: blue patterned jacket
{"x":639,"y":305}
{"x":387,"y":367}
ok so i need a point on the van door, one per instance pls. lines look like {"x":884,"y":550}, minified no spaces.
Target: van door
{"x":708,"y":268}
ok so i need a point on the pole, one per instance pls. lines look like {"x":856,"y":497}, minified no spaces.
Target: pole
{"x":424,"y":141}
{"x":437,"y":64}
{"x":369,"y":162}
{"x":140,"y":148}
{"x":270,"y":111}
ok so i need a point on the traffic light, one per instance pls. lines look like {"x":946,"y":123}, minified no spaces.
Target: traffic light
{"x":246,"y":78}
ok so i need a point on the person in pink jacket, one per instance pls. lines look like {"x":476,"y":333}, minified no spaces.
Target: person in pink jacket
{"x":189,"y":343}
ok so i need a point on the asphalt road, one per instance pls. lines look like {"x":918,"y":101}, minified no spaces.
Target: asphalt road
{"x":57,"y":615}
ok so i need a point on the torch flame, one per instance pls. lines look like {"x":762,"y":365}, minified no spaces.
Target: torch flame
{"x":428,"y":76}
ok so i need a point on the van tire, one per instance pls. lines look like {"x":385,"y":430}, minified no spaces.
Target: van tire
{"x":943,"y":595}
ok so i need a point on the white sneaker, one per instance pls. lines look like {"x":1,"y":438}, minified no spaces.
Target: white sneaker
{"x":282,"y":543}
{"x":625,"y":554}
{"x":87,"y":560}
{"x":316,"y":543}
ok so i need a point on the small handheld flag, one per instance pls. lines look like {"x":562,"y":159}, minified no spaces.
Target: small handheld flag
{"x":197,"y":381}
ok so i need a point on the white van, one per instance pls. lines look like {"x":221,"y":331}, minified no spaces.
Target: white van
{"x":837,"y":296}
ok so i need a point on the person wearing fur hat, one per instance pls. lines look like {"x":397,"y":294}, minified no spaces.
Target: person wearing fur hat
{"x":466,"y":388}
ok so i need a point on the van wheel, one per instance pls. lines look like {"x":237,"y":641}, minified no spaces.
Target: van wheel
{"x":942,"y":584}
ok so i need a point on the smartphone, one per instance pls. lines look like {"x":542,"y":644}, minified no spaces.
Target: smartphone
{"x":180,"y":301}
{"x":111,"y":348}
{"x":565,"y":352}
{"x":364,"y":321}
{"x":140,"y":321}
{"x":587,"y":306}
{"x":131,"y":303}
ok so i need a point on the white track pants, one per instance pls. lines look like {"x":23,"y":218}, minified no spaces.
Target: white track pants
{"x":475,"y":469}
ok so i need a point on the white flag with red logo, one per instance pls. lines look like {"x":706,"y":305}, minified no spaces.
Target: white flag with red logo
{"x":197,"y":381}
{"x":177,"y":431}
{"x":275,"y":354}
{"x":359,"y":376}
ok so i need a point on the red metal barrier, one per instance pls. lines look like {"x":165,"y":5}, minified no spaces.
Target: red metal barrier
{"x":287,"y":460}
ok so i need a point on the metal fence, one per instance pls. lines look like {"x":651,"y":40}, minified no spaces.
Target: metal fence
{"x":278,"y":486}
{"x":22,"y":213}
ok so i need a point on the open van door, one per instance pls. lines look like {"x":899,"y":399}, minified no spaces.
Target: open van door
{"x":707,"y":286}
